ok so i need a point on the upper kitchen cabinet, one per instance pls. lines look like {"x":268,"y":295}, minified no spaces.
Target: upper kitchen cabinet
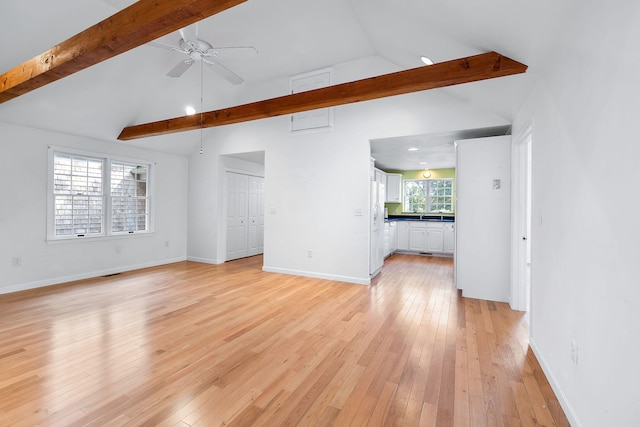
{"x":394,"y":188}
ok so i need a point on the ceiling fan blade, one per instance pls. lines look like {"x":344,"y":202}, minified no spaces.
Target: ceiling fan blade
{"x":223,"y":71}
{"x":165,"y":46}
{"x":180,"y":68}
{"x":233,"y":51}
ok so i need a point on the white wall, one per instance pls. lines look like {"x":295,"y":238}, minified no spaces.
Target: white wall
{"x":585,"y":236}
{"x":23,"y":215}
{"x":316,"y":181}
{"x":483,"y":220}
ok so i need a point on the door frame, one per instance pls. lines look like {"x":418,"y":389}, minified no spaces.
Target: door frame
{"x":521,"y":220}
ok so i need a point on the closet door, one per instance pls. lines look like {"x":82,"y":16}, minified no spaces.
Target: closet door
{"x":237,"y":215}
{"x":256,"y":215}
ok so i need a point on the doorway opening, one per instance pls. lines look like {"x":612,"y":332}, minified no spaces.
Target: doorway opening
{"x":243,"y":208}
{"x":521,"y":278}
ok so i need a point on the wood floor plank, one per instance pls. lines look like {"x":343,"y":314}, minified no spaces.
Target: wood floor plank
{"x":190,"y":344}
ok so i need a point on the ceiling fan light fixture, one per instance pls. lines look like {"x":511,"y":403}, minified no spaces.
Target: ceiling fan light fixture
{"x":426,"y":61}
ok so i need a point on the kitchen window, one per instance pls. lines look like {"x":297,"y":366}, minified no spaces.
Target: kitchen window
{"x":428,"y":195}
{"x":96,"y":195}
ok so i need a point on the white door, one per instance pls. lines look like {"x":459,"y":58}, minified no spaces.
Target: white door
{"x":237,"y":218}
{"x":256,"y":215}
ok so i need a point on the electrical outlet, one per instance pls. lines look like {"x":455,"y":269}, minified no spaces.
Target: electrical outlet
{"x":166,"y":244}
{"x":574,"y":352}
{"x":309,"y":253}
{"x":17,"y":261}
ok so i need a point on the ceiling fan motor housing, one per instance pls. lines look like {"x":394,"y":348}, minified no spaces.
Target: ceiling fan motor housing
{"x":197,"y":49}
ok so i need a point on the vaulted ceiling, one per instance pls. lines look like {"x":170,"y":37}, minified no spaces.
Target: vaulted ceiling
{"x":291,"y":36}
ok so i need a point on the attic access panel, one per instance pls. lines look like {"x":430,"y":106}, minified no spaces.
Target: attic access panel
{"x":313,"y":119}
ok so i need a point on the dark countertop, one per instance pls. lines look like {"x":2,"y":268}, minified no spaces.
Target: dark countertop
{"x":430,"y":218}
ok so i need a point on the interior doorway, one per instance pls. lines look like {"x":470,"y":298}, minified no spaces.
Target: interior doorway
{"x":521,"y":278}
{"x":242,"y":186}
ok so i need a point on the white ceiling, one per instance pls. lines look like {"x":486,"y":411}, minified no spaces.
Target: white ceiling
{"x":428,"y":151}
{"x":292,"y":37}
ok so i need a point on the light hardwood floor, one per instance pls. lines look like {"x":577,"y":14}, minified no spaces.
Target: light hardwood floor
{"x":194,"y":344}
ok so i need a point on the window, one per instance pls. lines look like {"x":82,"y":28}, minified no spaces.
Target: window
{"x":428,"y":195}
{"x":93,"y":195}
{"x":129,"y":203}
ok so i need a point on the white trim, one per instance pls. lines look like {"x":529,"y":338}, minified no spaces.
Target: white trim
{"x":82,"y":276}
{"x":101,"y":238}
{"x":519,"y":164}
{"x":205,"y":260}
{"x":107,"y":159}
{"x":315,"y":275}
{"x":243,"y":172}
{"x":562,"y":398}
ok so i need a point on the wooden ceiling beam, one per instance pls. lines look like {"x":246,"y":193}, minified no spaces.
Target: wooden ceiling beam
{"x":140,"y":23}
{"x":465,"y":70}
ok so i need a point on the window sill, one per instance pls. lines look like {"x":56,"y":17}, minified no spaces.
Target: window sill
{"x":62,"y":241}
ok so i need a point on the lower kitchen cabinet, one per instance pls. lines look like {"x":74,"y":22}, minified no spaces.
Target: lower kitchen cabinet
{"x":403,"y":235}
{"x":393,"y":236}
{"x":435,"y":244}
{"x":390,"y":237}
{"x":385,"y":240}
{"x":423,"y":237}
{"x":417,"y":236}
{"x":449,"y":237}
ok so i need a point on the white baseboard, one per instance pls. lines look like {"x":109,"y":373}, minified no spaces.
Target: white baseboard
{"x":205,"y":260}
{"x":81,"y":276}
{"x":562,"y":398}
{"x":315,"y":275}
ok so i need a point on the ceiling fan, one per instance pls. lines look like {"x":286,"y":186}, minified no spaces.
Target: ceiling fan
{"x":197,"y":49}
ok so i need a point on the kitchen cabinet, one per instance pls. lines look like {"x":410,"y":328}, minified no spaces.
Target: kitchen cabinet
{"x":417,"y":236}
{"x":386,"y":241}
{"x":432,"y":237}
{"x":449,"y":237}
{"x":393,"y":236}
{"x":381,"y":178}
{"x":394,"y":188}
{"x":403,"y":236}
{"x":435,"y":243}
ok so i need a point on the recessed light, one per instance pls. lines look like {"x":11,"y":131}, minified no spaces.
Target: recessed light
{"x":423,"y":163}
{"x":426,"y":60}
{"x":412,"y":149}
{"x":189,"y":110}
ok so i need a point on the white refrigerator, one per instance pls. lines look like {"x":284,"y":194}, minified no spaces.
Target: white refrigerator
{"x":377,"y":197}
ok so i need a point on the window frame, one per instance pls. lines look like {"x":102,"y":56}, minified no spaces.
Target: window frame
{"x":428,"y":182}
{"x":107,"y":197}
